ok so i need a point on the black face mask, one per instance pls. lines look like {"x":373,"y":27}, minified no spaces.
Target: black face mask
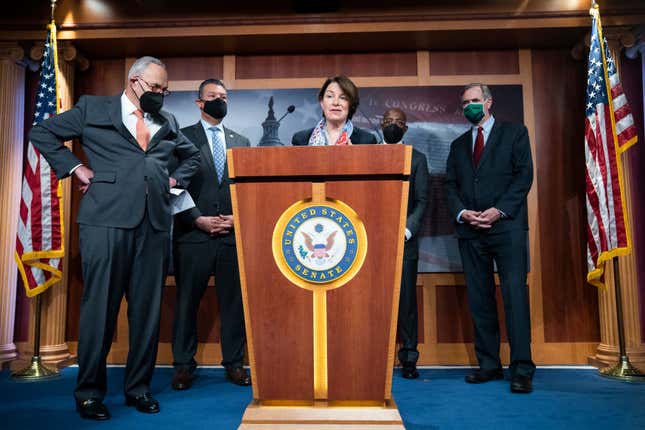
{"x":151,"y":102}
{"x":215,"y":108}
{"x":393,"y":133}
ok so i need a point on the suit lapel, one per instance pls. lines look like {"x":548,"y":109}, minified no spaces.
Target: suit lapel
{"x":465,"y":146}
{"x":114,"y":110}
{"x":204,"y":147}
{"x":493,"y":140}
{"x":167,"y":128}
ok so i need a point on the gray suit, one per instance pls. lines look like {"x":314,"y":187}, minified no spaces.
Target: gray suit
{"x":124,"y":222}
{"x":197,"y":255}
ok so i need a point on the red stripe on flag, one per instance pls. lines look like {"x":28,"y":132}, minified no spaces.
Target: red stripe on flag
{"x":55,"y":212}
{"x":591,"y":243}
{"x":627,"y":135}
{"x":616,"y":90}
{"x":618,"y":219}
{"x":622,"y":112}
{"x":594,"y":202}
{"x":36,"y":207}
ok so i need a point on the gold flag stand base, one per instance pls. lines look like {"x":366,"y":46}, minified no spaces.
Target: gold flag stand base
{"x":36,"y":371}
{"x":623,"y":371}
{"x":321,"y":417}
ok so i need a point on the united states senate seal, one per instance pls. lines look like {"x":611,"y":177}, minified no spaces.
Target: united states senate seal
{"x":319,"y":246}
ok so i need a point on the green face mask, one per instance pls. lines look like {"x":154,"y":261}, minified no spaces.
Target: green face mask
{"x":474,"y":112}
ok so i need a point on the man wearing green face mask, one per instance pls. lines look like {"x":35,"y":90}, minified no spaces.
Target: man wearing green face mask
{"x":489,"y":173}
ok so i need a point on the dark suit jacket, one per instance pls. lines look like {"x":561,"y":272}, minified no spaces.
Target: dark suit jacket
{"x":211,"y":197}
{"x":126,"y":179}
{"x":358,"y":137}
{"x":502,"y":179}
{"x":417,"y":202}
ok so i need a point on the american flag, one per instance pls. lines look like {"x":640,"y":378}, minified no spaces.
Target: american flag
{"x":609,"y":131}
{"x":39,"y":245}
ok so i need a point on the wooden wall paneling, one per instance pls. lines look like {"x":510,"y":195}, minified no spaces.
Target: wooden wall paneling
{"x":570,"y":305}
{"x":315,"y":65}
{"x":208,"y":322}
{"x":488,"y":62}
{"x":533,"y":277}
{"x":194,"y":68}
{"x":104,"y":78}
{"x":423,"y":67}
{"x":454,"y":322}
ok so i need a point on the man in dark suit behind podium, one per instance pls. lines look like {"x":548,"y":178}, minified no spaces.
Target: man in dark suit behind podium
{"x":124,"y":219}
{"x":394,"y":125}
{"x":489,"y":173}
{"x":204,"y":243}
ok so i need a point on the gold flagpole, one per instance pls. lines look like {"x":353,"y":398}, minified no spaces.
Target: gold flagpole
{"x":623,"y":370}
{"x":36,"y":370}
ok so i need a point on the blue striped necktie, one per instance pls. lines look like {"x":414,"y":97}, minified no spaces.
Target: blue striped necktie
{"x":219,"y":153}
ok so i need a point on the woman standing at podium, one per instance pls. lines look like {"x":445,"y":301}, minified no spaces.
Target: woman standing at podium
{"x":338,"y":99}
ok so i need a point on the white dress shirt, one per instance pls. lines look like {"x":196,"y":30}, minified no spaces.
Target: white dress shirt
{"x":130,"y":120}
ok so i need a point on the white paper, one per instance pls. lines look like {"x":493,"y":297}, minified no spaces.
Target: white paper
{"x":180,"y":200}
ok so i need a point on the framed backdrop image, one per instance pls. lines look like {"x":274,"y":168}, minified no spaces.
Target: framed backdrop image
{"x":434,"y":119}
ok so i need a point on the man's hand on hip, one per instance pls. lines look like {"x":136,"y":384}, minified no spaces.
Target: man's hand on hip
{"x":84,"y":175}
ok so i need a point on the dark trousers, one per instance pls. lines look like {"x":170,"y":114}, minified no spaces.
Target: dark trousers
{"x":117,"y":262}
{"x":408,"y":316}
{"x":508,"y":250}
{"x":194,"y":263}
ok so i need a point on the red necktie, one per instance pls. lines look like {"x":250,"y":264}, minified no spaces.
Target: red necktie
{"x":479,"y":146}
{"x":143,"y":133}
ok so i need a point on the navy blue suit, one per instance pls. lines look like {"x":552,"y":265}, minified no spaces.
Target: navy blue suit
{"x":502,"y":180}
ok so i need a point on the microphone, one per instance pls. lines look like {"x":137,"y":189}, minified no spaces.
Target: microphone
{"x":290,"y":109}
{"x":378,"y":131}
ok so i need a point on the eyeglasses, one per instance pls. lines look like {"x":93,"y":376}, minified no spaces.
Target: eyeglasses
{"x":156,"y":88}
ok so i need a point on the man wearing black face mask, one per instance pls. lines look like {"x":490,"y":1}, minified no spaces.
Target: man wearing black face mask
{"x":204,"y":243}
{"x":489,"y":173}
{"x":125,"y":220}
{"x":394,"y":127}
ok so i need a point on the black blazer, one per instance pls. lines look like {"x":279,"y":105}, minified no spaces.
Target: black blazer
{"x":358,"y":137}
{"x":210,"y":196}
{"x":417,"y":202}
{"x":502,"y":179}
{"x":126,"y":178}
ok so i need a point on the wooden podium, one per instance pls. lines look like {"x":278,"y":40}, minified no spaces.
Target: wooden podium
{"x":320,"y":235}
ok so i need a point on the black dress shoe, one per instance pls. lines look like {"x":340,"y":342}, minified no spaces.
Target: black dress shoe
{"x":484,"y":375}
{"x":521,"y":384}
{"x":93,"y":409}
{"x":409,"y":371}
{"x":238,"y":376}
{"x":144,"y":403}
{"x":182,"y":379}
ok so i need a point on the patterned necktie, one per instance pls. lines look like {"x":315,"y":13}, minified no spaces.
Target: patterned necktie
{"x":479,"y":146}
{"x":219,"y":153}
{"x":143,"y":132}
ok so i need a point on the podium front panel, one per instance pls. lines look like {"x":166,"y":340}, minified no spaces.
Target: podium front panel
{"x":331,"y":342}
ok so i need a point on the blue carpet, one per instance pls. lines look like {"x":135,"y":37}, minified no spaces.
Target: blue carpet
{"x":439,"y":399}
